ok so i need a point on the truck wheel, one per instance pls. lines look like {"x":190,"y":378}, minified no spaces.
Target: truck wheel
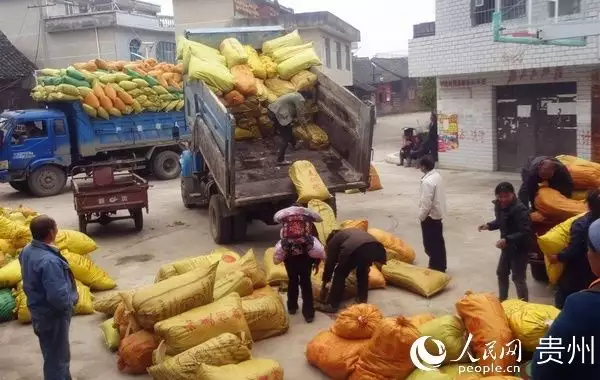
{"x":138,"y":218}
{"x":47,"y":181}
{"x":220,"y":225}
{"x":82,"y":224}
{"x":165,"y":165}
{"x":21,"y":186}
{"x":538,"y":272}
{"x":185,"y":196}
{"x":240,"y":227}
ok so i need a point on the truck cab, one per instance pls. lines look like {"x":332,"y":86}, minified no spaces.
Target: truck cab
{"x":36,"y":151}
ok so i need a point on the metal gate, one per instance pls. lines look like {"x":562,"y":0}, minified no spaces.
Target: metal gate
{"x":535,"y":120}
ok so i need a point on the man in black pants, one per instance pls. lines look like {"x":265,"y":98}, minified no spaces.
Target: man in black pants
{"x":432,"y":208}
{"x":347,"y":250}
{"x":283,"y":112}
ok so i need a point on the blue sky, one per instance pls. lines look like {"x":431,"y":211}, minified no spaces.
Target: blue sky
{"x":385,"y":25}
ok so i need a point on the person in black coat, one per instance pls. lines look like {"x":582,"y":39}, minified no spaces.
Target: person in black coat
{"x":541,"y":169}
{"x":429,"y":147}
{"x":512,"y":219}
{"x":577,"y":273}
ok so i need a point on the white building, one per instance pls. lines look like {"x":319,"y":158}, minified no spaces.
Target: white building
{"x":500,"y":103}
{"x":56,"y":33}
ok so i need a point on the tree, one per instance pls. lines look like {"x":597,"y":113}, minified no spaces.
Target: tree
{"x":428,"y":93}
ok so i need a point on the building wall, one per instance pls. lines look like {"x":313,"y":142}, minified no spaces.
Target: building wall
{"x":123,"y":37}
{"x":317,"y":37}
{"x":475,"y":108}
{"x":64,"y":49}
{"x":460,"y":48}
{"x":202,"y":14}
{"x":21,"y":25}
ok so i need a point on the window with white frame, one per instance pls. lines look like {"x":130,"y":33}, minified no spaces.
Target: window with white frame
{"x":338,"y":54}
{"x":166,"y":51}
{"x":483,"y":10}
{"x":327,"y":52}
{"x":565,"y":7}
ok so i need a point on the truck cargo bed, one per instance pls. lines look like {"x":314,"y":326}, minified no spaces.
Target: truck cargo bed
{"x":257,"y":175}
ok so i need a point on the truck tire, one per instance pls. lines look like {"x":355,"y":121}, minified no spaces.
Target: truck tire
{"x":82,"y":224}
{"x":240,"y":227}
{"x":21,"y":186}
{"x":538,"y":272}
{"x":185,"y":195}
{"x":47,"y":181}
{"x":138,"y":218}
{"x":221,"y":225}
{"x":165,"y":165}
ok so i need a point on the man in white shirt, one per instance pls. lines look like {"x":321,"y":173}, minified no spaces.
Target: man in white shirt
{"x":432,"y":209}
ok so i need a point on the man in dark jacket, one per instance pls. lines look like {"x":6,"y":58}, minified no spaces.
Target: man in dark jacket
{"x":542,"y":169}
{"x":51,"y":294}
{"x":575,"y":330}
{"x":429,"y":147}
{"x":347,"y":250}
{"x":577,"y":273}
{"x":512,"y":219}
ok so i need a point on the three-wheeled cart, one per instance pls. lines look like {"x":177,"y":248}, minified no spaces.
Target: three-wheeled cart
{"x":99,"y":191}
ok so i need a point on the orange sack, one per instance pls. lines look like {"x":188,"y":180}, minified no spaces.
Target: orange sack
{"x":585,"y":177}
{"x":234,"y":98}
{"x":387,"y":356}
{"x":421,"y":319}
{"x":333,"y":355}
{"x":374,"y":180}
{"x":553,"y":205}
{"x":135,"y":352}
{"x":124,"y":320}
{"x":357,"y":322}
{"x":484,"y":317}
{"x":361,"y":224}
{"x":244,"y":80}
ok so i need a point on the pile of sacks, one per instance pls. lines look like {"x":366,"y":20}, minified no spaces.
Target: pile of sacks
{"x":114,"y":89}
{"x":246,"y":81}
{"x":73,"y":245}
{"x":197,"y":321}
{"x":362,"y":344}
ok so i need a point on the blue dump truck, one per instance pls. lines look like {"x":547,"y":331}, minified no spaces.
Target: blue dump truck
{"x":40,"y":146}
{"x":239,"y":181}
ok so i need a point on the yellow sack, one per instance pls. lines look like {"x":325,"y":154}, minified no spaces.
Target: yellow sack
{"x":6,"y":247}
{"x":304,"y":80}
{"x":86,"y":271}
{"x":529,"y":321}
{"x":10,"y":230}
{"x":250,"y":267}
{"x":219,"y":351}
{"x":91,"y":111}
{"x":110,"y":334}
{"x":107,"y":302}
{"x":374,"y":180}
{"x":258,"y":68}
{"x":102,"y":113}
{"x":361,"y":224}
{"x":419,"y":374}
{"x":317,"y":136}
{"x":198,"y":325}
{"x":287,"y":52}
{"x":357,"y":322}
{"x":243,"y":134}
{"x":290,"y":39}
{"x":270,"y":66}
{"x":10,"y":274}
{"x":157,"y":302}
{"x":279,"y":87}
{"x":422,"y":281}
{"x":276,"y":274}
{"x":265,"y":313}
{"x":304,"y":60}
{"x":396,"y":248}
{"x":448,"y":329}
{"x":376,"y":279}
{"x":254,"y":369}
{"x":552,"y":243}
{"x":234,"y":52}
{"x":308,"y":183}
{"x":234,"y":282}
{"x":553,"y":205}
{"x":326,"y":213}
{"x":190,"y":263}
{"x":68,"y":89}
{"x":186,"y":47}
{"x":211,"y":73}
{"x":75,"y":242}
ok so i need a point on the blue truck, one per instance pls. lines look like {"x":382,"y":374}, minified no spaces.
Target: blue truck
{"x":40,"y":146}
{"x":239,"y":181}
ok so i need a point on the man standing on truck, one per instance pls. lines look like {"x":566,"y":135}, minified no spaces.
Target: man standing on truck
{"x":544,"y":169}
{"x":283,"y":113}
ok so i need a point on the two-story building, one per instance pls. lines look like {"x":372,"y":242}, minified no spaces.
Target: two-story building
{"x":499,"y":103}
{"x":59,"y":32}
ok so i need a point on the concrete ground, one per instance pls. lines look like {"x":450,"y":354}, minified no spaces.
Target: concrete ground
{"x":173,"y":232}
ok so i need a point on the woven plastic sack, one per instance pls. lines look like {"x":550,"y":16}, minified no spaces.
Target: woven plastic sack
{"x":304,"y":80}
{"x":265,"y":313}
{"x":254,"y":369}
{"x":276,"y":274}
{"x":374,"y":180}
{"x":110,"y":333}
{"x":156,"y":302}
{"x":333,"y":355}
{"x":234,"y":282}
{"x":290,"y":39}
{"x":317,"y":137}
{"x":219,"y":351}
{"x":86,"y":271}
{"x":556,"y":206}
{"x":423,"y":281}
{"x":361,"y":224}
{"x":124,"y":321}
{"x":376,"y":278}
{"x":304,"y":60}
{"x":228,"y":262}
{"x":279,"y":87}
{"x":249,"y":265}
{"x":308,"y":183}
{"x":106,"y":303}
{"x":198,"y":325}
{"x":189,"y":263}
{"x":7,"y":305}
{"x":397,"y":249}
{"x":9,"y":229}
{"x":327,"y":215}
{"x":75,"y":242}
{"x":6,"y":247}
{"x":357,"y":322}
{"x":287,"y":52}
{"x":387,"y":356}
{"x":234,"y":52}
{"x":244,"y":80}
{"x":10,"y":274}
{"x":484,"y":317}
{"x":416,"y":320}
{"x":449,"y":330}
{"x":529,"y":322}
{"x":585,"y":177}
{"x":258,"y":68}
{"x":552,"y":243}
{"x":135,"y":352}
{"x":243,"y":134}
{"x":270,"y":66}
{"x":187,"y":48}
{"x":212,"y":73}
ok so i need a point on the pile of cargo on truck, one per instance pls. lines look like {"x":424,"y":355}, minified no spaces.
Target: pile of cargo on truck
{"x":231,"y":76}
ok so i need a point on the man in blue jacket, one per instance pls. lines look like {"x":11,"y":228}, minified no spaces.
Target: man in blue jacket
{"x":51,"y":294}
{"x":573,"y":353}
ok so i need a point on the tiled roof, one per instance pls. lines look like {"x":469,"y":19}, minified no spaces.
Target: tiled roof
{"x":368,"y":72}
{"x":14,"y":65}
{"x":396,"y":66}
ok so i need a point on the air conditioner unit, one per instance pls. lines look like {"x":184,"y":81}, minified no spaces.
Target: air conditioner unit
{"x":479,"y":3}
